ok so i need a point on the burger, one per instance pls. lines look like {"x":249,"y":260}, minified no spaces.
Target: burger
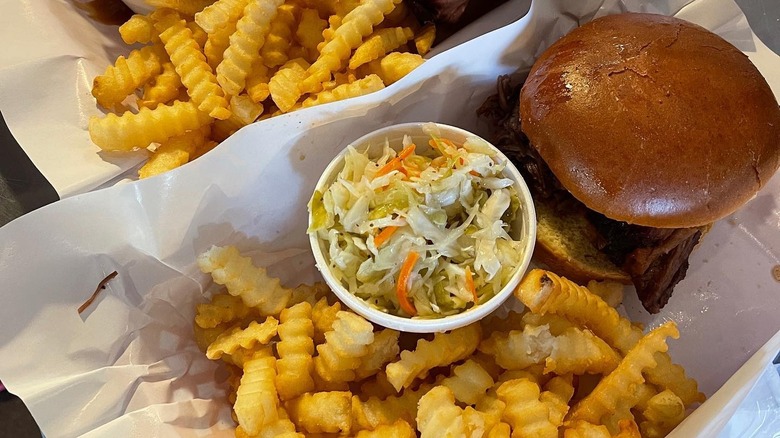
{"x":635,"y":132}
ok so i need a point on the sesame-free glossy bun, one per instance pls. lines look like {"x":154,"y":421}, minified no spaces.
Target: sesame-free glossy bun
{"x":652,"y":120}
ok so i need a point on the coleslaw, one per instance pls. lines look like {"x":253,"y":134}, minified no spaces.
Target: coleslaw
{"x":424,"y":234}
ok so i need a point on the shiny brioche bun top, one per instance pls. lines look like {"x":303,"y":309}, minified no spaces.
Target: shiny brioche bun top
{"x":652,"y":120}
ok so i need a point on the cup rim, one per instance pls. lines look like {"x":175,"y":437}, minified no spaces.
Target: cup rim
{"x":422,"y":325}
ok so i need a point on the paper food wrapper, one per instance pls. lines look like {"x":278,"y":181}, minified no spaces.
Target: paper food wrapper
{"x":129,"y":365}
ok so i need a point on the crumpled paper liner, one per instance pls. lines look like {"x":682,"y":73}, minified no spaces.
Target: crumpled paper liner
{"x":128,"y":365}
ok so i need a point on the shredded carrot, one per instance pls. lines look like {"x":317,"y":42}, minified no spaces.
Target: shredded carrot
{"x":384,"y":235}
{"x":395,"y":163}
{"x":403,"y":280}
{"x":470,"y":285}
{"x":474,"y":173}
{"x":406,"y":152}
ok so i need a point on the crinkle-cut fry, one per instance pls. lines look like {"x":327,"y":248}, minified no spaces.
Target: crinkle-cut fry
{"x":580,"y":351}
{"x":444,"y":349}
{"x":360,"y":87}
{"x":393,"y":66}
{"x":230,"y":341}
{"x":221,"y":309}
{"x":671,"y":376}
{"x":242,"y":278}
{"x":190,"y":64}
{"x":322,"y":385}
{"x":256,"y":400}
{"x":382,"y":350}
{"x":378,"y":386}
{"x":380,"y":43}
{"x":345,"y":345}
{"x":164,"y":87}
{"x":174,"y":152}
{"x":609,"y":291}
{"x":222,"y":129}
{"x":284,"y":84}
{"x":617,"y":386}
{"x":644,"y":393}
{"x":375,"y":411}
{"x":556,"y":395}
{"x":295,"y":349}
{"x":219,"y":14}
{"x":356,"y":25}
{"x":399,"y":429}
{"x":492,"y":410}
{"x":437,"y":415}
{"x":528,"y":416}
{"x":186,"y":7}
{"x":138,"y":29}
{"x":557,"y":324}
{"x":322,"y":412}
{"x":251,"y":31}
{"x":663,"y":412}
{"x":281,"y":428}
{"x":205,"y":336}
{"x":619,"y":415}
{"x":474,"y":422}
{"x":500,"y":430}
{"x":130,"y":131}
{"x":206,"y":147}
{"x":216,"y":44}
{"x":277,"y":43}
{"x":468,"y":382}
{"x":533,"y":373}
{"x":127,"y":75}
{"x":310,"y":27}
{"x":343,"y":7}
{"x":198,"y":34}
{"x":334,"y":21}
{"x":544,"y":292}
{"x":424,"y":39}
{"x":583,"y":429}
{"x":519,"y":349}
{"x":398,"y":15}
{"x":573,"y":351}
{"x":245,"y":110}
{"x":488,"y":363}
{"x":323,"y":315}
{"x":257,"y":81}
{"x":628,"y":429}
{"x":310,"y":293}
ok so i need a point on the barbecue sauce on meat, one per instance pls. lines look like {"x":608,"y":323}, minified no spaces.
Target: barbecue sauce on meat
{"x":655,"y":258}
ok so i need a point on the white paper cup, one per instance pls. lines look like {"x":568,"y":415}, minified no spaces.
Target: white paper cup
{"x":523,"y":229}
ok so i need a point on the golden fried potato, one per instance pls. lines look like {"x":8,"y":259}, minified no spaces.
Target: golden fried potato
{"x":544,"y":292}
{"x":256,"y":400}
{"x":295,"y":365}
{"x":616,"y":388}
{"x":344,"y":347}
{"x":444,"y":349}
{"x":230,"y":341}
{"x":244,"y":280}
{"x":322,"y":412}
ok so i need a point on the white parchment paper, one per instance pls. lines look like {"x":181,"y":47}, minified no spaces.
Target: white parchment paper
{"x":129,"y":366}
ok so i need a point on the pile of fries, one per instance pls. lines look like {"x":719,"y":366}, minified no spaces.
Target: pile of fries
{"x":207,"y":68}
{"x":569,"y":365}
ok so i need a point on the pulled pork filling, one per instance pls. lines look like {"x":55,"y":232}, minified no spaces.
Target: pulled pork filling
{"x":655,"y":258}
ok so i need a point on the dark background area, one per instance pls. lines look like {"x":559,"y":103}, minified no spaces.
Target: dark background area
{"x":24,"y":189}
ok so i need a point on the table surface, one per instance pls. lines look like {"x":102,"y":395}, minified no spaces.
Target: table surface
{"x":24,"y":189}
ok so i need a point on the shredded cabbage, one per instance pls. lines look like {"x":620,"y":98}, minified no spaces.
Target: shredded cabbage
{"x":452,"y":206}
